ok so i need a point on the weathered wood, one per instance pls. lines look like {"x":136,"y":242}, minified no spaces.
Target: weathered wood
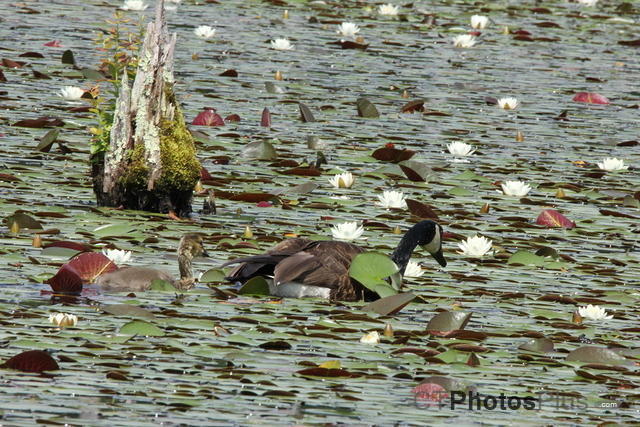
{"x":120,"y":138}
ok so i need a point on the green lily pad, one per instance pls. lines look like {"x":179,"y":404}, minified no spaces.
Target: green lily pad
{"x":371,"y":269}
{"x":255,"y":286}
{"x":140,"y":327}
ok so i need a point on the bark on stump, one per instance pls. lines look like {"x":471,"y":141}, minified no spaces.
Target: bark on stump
{"x":151,"y":162}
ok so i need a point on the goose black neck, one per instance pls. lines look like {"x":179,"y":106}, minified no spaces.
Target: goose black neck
{"x":412,"y":238}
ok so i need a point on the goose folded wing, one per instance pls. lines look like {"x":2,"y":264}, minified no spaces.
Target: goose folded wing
{"x":324,"y":264}
{"x":264,"y":264}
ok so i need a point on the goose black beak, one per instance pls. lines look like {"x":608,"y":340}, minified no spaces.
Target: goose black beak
{"x":205,"y":254}
{"x":440,"y":258}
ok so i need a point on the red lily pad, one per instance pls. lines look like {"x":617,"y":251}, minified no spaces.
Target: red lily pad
{"x":232,"y":118}
{"x":429,"y":392}
{"x":41,"y":122}
{"x":590,"y":98}
{"x":32,"y":361}
{"x":66,"y":280}
{"x":90,"y":265}
{"x":81,"y":247}
{"x":392,"y":154}
{"x":53,"y":43}
{"x":265,"y":120}
{"x":208,"y":117}
{"x":553,"y":218}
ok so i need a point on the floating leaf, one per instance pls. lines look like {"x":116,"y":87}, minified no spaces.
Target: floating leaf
{"x":593,"y":354}
{"x":327,"y":373}
{"x":539,"y":345}
{"x":47,"y":140}
{"x":415,"y":171}
{"x":212,"y":275}
{"x":390,"y":305}
{"x":371,"y":269}
{"x":553,"y":218}
{"x":255,"y":286}
{"x":413,"y":106}
{"x":208,"y":117}
{"x":23,"y":221}
{"x":421,"y":210}
{"x":523,"y":257}
{"x":68,"y":58}
{"x":232,"y":118}
{"x":128,"y":310}
{"x":265,"y":120}
{"x":91,"y":74}
{"x":59,"y":252}
{"x":392,"y":154}
{"x":367,"y":109}
{"x":229,"y":73}
{"x":113,"y":230}
{"x":66,"y":280}
{"x":32,"y":361}
{"x":305,"y":113}
{"x":90,"y":265}
{"x":140,"y":327}
{"x":590,"y":98}
{"x":42,"y":122}
{"x":348,"y":44}
{"x":78,"y":247}
{"x":448,"y":321}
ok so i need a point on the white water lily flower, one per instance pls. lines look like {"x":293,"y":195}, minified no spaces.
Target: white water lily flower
{"x":594,"y":312}
{"x":71,"y":93}
{"x":117,"y":256}
{"x":475,"y":246}
{"x":63,"y":319}
{"x":464,"y":41}
{"x":413,"y":269}
{"x":342,"y":180}
{"x":392,"y":199}
{"x":347,"y":231}
{"x":515,"y":188}
{"x":388,"y":9}
{"x":479,"y":22}
{"x":460,"y":149}
{"x":509,"y":103}
{"x":371,"y":338}
{"x":205,"y":32}
{"x":134,"y":5}
{"x":281,"y":44}
{"x":348,"y":29}
{"x":588,"y":2}
{"x":612,"y":164}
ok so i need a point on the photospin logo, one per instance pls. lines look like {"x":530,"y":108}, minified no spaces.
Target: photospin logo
{"x":432,"y":395}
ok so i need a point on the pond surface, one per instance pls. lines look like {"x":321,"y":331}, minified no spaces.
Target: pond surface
{"x":221,"y":360}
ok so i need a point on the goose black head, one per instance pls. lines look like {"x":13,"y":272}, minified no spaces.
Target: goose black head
{"x":192,"y":245}
{"x":431,"y":240}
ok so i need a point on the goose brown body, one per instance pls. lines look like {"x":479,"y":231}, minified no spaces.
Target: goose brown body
{"x":138,"y":279}
{"x":325,"y":264}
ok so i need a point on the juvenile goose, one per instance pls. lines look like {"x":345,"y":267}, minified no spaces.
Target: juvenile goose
{"x":136,"y":279}
{"x":306,"y":268}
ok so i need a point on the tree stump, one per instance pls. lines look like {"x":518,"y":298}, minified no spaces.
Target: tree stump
{"x":151,"y":161}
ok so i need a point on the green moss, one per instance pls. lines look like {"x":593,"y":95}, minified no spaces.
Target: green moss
{"x":137,"y":173}
{"x":180,"y":166}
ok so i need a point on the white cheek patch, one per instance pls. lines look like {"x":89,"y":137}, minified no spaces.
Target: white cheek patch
{"x":434,"y":245}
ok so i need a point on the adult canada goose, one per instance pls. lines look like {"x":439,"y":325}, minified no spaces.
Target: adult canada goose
{"x":306,"y":268}
{"x":136,"y":279}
